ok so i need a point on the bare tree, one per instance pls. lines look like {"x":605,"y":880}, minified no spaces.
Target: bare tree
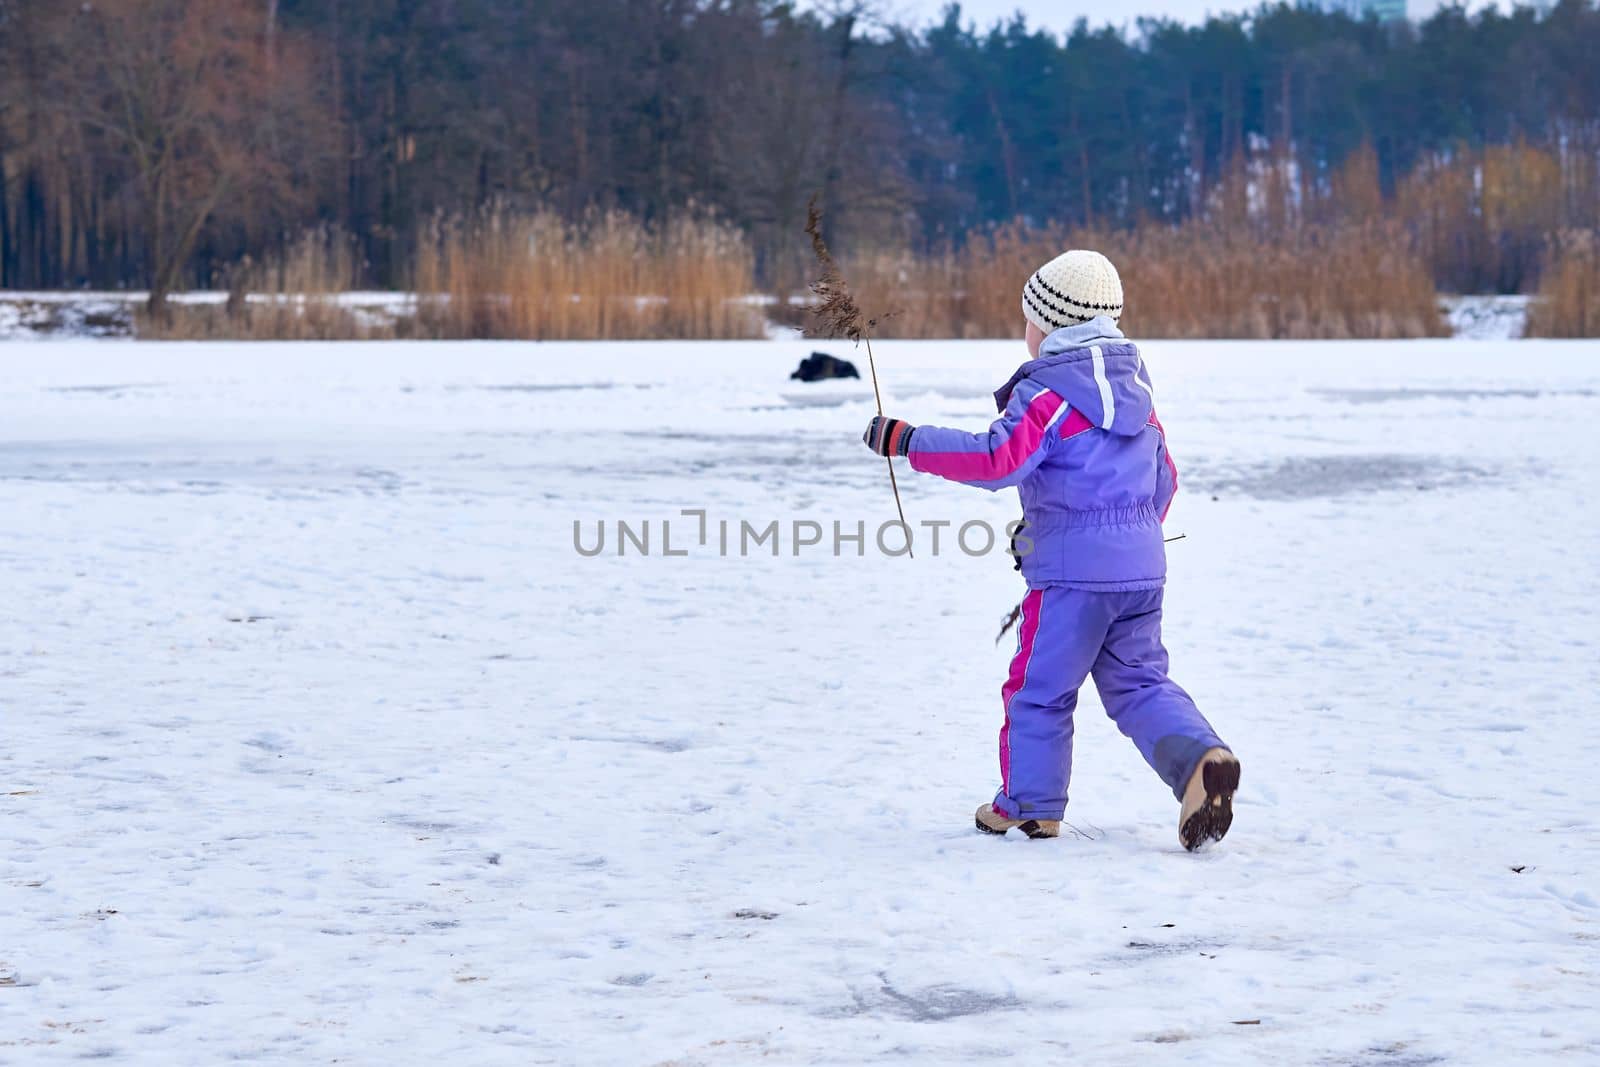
{"x":188,"y":96}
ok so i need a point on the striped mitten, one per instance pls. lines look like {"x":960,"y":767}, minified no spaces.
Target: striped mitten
{"x":888,"y":437}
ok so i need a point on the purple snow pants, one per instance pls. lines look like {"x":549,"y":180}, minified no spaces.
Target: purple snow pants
{"x":1064,"y":636}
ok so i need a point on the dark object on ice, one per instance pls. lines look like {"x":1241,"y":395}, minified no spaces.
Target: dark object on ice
{"x":819,"y":365}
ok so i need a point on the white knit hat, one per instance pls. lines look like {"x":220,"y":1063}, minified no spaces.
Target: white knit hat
{"x":1074,"y":287}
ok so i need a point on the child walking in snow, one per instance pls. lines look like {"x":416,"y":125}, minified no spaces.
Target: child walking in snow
{"x":1079,"y":437}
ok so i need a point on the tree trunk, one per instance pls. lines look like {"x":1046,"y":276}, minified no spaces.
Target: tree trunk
{"x":6,"y":278}
{"x":166,"y":278}
{"x":155,"y":231}
{"x":841,"y":90}
{"x":1197,"y":154}
{"x":1008,"y":155}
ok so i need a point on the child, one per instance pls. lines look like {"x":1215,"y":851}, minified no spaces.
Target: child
{"x":1078,"y":435}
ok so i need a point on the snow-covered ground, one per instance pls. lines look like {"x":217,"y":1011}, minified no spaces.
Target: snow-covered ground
{"x":69,"y":315}
{"x":1485,"y":317}
{"x":321,"y":743}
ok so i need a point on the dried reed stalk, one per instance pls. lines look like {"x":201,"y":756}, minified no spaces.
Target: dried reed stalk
{"x":838,"y":315}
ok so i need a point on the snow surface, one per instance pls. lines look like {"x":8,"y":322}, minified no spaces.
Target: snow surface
{"x":69,"y":315}
{"x":57,"y":315}
{"x":322,"y":743}
{"x":1487,"y":317}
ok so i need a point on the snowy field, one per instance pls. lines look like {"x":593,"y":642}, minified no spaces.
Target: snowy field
{"x":322,"y":743}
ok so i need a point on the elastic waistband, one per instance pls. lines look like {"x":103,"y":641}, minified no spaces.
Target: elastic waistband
{"x":1076,"y":519}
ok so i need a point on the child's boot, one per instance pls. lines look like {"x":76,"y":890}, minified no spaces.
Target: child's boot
{"x":992,"y":822}
{"x":1208,"y":799}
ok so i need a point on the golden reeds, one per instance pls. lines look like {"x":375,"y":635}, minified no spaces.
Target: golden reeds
{"x":1195,"y":281}
{"x":500,"y":273}
{"x":1568,"y":301}
{"x":296,"y":295}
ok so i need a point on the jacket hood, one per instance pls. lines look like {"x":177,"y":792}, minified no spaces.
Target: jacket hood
{"x":1097,"y":371}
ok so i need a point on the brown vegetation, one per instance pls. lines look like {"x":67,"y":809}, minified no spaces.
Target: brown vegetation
{"x":296,"y":296}
{"x":499,"y":274}
{"x":1202,"y":280}
{"x":196,"y":101}
{"x":1482,"y":220}
{"x":1269,"y":257}
{"x":505,"y":274}
{"x":1568,"y":302}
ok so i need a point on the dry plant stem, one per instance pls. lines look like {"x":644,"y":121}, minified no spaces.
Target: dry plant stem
{"x":840,"y":316}
{"x":1010,"y":621}
{"x":894,"y":485}
{"x":873,"y":367}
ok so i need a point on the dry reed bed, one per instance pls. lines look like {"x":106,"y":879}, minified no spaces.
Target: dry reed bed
{"x":296,"y":296}
{"x":1354,"y":281}
{"x":501,"y":274}
{"x":1350,"y":265}
{"x":1568,"y":301}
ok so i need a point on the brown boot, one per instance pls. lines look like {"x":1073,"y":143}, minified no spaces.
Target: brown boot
{"x":992,"y":822}
{"x":1208,"y":799}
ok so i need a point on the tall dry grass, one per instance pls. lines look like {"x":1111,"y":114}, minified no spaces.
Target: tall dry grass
{"x":296,"y":295}
{"x":1568,"y":301}
{"x":499,"y":273}
{"x":1195,"y":281}
{"x":1346,"y":281}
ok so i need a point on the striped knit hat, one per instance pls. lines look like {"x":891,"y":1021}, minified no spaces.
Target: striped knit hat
{"x":1074,"y":287}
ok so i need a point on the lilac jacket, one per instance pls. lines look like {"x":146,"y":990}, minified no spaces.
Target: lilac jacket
{"x":1078,"y":436}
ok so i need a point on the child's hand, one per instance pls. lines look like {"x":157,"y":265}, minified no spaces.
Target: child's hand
{"x":888,"y":437}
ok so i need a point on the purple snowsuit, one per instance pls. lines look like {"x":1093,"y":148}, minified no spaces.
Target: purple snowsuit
{"x":1078,"y":435}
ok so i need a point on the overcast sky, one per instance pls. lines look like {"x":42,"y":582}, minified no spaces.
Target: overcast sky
{"x":1061,"y":14}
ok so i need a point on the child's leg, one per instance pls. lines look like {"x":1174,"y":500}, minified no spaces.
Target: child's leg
{"x":1146,"y":705}
{"x":1058,"y":637}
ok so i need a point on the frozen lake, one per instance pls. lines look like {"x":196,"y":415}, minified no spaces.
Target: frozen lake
{"x":322,"y":742}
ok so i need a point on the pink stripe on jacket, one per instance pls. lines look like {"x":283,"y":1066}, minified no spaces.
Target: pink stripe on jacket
{"x":1003,"y":456}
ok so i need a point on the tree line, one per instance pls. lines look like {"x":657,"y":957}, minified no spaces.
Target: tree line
{"x":159,"y":143}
